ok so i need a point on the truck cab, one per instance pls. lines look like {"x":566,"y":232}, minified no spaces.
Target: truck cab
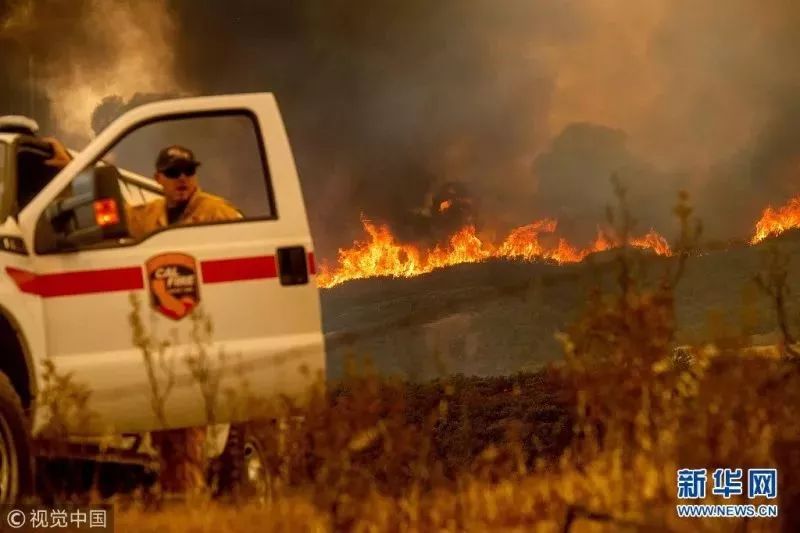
{"x":73,"y":281}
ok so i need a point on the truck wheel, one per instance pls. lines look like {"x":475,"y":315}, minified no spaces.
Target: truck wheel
{"x":16,"y":464}
{"x":240,"y":471}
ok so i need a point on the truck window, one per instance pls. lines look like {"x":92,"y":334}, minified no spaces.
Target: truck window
{"x":208,"y":168}
{"x":228,"y":148}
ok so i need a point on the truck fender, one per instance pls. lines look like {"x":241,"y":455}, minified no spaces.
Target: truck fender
{"x":16,"y":362}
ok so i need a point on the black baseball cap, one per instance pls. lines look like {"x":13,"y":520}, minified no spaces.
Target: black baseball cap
{"x":176,"y":156}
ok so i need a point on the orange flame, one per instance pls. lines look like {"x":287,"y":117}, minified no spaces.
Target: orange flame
{"x":653,"y":241}
{"x":444,"y":206}
{"x":382,"y":255}
{"x":775,"y":221}
{"x":603,"y":242}
{"x":523,"y":242}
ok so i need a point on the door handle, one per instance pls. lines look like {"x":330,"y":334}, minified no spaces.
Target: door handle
{"x":292,"y":265}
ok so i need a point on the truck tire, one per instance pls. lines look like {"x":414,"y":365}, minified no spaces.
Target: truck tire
{"x":16,"y":459}
{"x":240,"y":471}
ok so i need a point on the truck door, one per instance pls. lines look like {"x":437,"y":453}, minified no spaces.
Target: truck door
{"x":251,"y":275}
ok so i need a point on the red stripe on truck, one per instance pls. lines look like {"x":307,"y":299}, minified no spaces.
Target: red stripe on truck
{"x":75,"y":283}
{"x":241,"y":269}
{"x":130,"y":278}
{"x":312,"y":267}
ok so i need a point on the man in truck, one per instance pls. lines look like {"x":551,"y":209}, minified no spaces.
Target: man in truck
{"x":182,"y":451}
{"x":183,"y":201}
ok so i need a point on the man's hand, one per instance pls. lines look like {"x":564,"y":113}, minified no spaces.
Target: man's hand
{"x":60,"y":154}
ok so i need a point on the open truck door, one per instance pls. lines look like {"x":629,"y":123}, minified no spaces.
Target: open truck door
{"x":252,"y":276}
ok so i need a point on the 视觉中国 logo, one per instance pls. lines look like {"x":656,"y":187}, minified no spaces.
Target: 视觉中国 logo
{"x":174,"y":290}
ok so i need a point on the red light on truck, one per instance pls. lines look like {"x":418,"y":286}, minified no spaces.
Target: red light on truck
{"x":106,"y":212}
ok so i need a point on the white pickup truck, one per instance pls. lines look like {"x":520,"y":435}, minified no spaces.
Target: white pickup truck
{"x":68,"y":268}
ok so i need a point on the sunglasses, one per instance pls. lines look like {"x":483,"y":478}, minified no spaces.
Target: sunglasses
{"x":174,"y":173}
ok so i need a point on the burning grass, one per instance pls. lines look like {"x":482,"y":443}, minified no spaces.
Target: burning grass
{"x":776,"y":221}
{"x":381,"y":254}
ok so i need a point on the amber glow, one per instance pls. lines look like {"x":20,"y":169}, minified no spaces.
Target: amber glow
{"x":106,"y":212}
{"x":380,"y":253}
{"x":444,"y":206}
{"x":776,"y":221}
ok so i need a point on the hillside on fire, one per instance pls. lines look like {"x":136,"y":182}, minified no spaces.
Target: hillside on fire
{"x":501,"y":315}
{"x":475,"y":304}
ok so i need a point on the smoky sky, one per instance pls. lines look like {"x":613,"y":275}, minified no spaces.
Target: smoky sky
{"x":531,"y":105}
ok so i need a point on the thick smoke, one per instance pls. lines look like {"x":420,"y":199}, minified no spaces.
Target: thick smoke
{"x":576,"y":171}
{"x":77,"y":53}
{"x":530,"y":105}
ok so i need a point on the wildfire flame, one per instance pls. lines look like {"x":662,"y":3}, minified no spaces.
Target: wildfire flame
{"x":776,"y":221}
{"x":653,"y":241}
{"x":382,"y":255}
{"x":444,"y":206}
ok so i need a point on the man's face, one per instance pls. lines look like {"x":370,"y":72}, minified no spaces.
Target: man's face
{"x":179,"y":183}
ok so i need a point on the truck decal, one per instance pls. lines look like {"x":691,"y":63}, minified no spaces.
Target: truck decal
{"x":174,"y":290}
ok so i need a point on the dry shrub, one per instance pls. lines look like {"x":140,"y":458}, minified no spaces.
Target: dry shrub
{"x":289,"y":514}
{"x":642,"y":412}
{"x":65,"y":401}
{"x":370,"y":437}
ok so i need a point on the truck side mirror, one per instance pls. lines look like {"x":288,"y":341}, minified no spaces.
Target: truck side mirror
{"x":94,"y":212}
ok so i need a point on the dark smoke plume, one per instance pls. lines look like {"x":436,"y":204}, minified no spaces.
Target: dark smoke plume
{"x":111,"y":107}
{"x":575,"y":174}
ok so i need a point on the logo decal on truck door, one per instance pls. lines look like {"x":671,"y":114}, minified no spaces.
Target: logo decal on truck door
{"x":174,"y":289}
